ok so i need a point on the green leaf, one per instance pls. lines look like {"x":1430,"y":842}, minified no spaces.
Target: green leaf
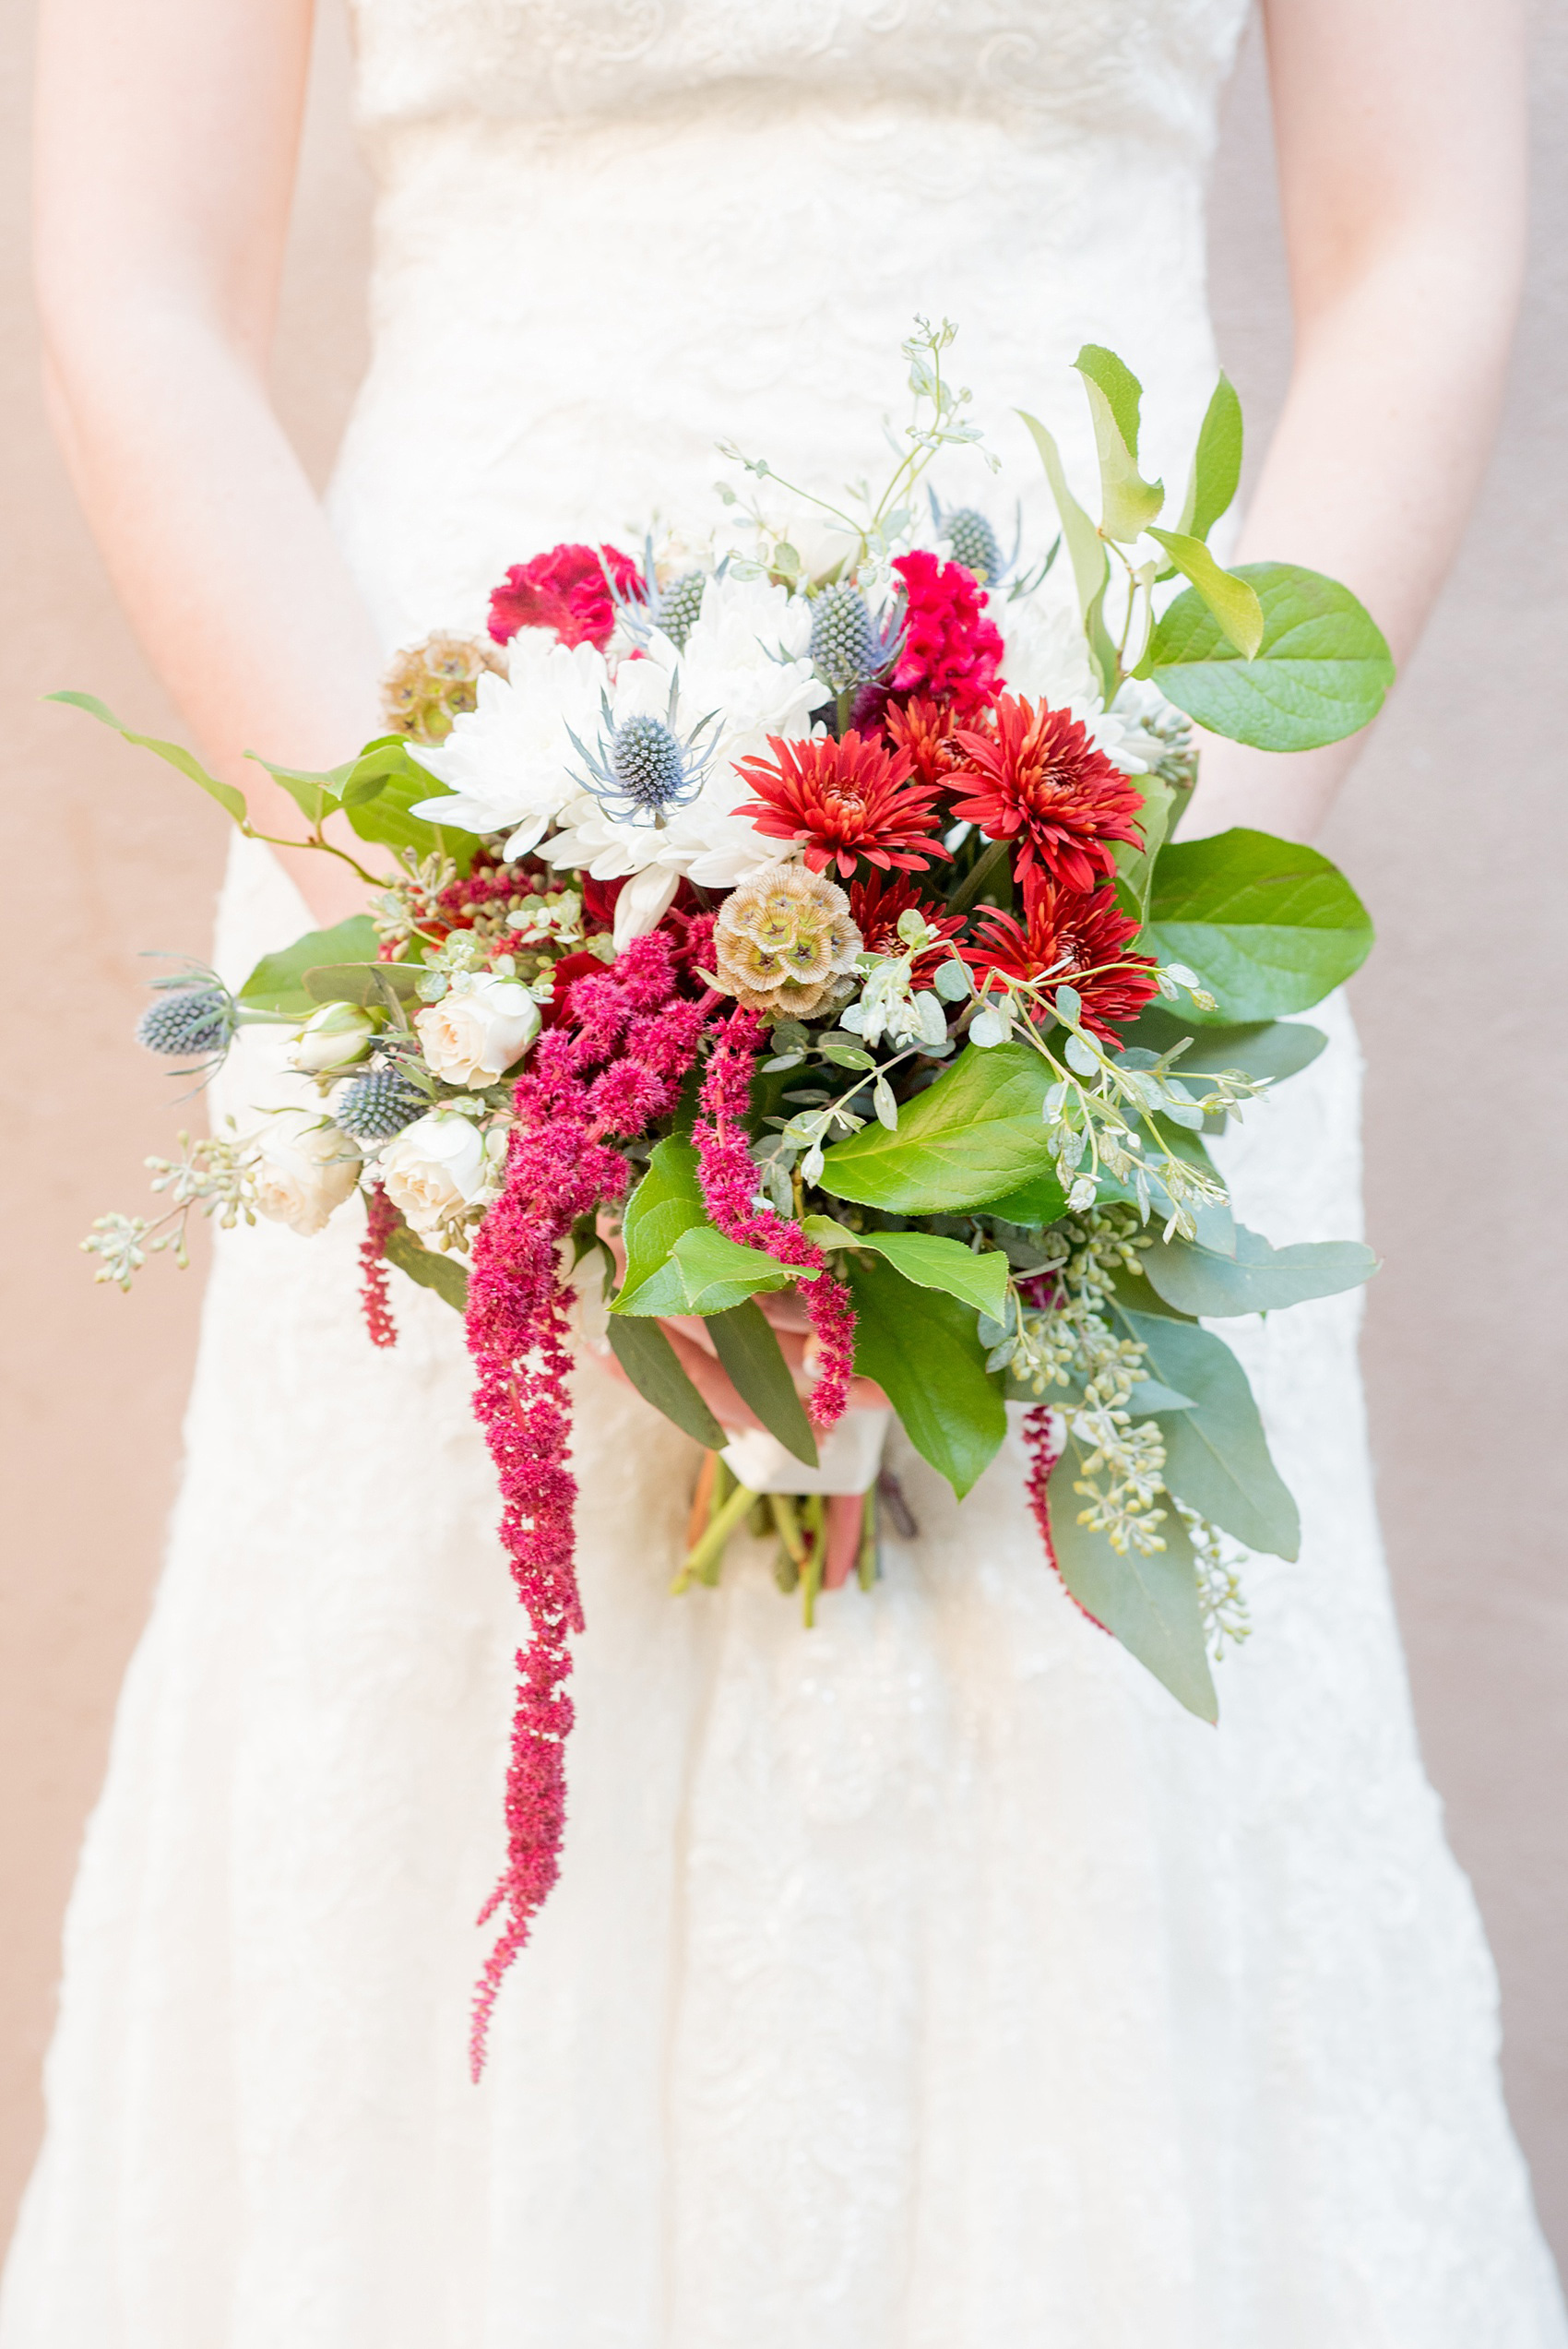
{"x":1217,"y":1456}
{"x":652,"y":1364}
{"x":1268,"y":925}
{"x":1135,"y":866}
{"x":315,"y":795}
{"x":1321,"y":671}
{"x":277,"y":982}
{"x":751,"y":1355}
{"x":1086,"y":551}
{"x":1258,"y":1279}
{"x":1128,"y":503}
{"x":369,"y":983}
{"x":1231,"y":600}
{"x":1217,"y":464}
{"x":667,"y":1202}
{"x":442,"y":1273}
{"x":719,"y":1273}
{"x":233,"y":801}
{"x":973,"y":1136}
{"x":1150,"y":1604}
{"x":1273,"y":1048}
{"x":928,"y":1260}
{"x":922,"y":1350}
{"x":378,"y":791}
{"x":1040,"y":1200}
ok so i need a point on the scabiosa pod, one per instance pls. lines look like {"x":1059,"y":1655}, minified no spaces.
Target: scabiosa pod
{"x":728,"y":1178}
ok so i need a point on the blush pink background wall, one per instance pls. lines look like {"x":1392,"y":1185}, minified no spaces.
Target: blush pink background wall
{"x":1456,"y":828}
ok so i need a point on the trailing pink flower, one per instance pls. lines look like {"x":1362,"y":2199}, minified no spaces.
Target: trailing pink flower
{"x":1044,"y":1448}
{"x":381,"y":1222}
{"x":729,"y":1185}
{"x":618,"y":1063}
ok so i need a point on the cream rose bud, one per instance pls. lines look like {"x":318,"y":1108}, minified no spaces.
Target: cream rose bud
{"x":439,"y":1165}
{"x":475,"y":1033}
{"x":333,"y":1038}
{"x":304,"y":1173}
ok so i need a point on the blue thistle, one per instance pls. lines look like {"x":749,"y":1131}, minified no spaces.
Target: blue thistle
{"x":189,"y":1024}
{"x":848,"y":647}
{"x":680,"y":605}
{"x":378,"y":1104}
{"x":643,"y":769}
{"x":972,"y":542}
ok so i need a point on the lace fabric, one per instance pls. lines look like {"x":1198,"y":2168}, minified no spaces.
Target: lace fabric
{"x":926,"y":1982}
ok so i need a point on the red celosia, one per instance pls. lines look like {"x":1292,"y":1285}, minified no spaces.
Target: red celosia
{"x":565,"y":590}
{"x":381,"y":1220}
{"x":1075,"y":937}
{"x":951,"y":650}
{"x":876,"y":904}
{"x":1040,"y":780}
{"x":619,"y":1063}
{"x":729,"y":1185}
{"x":843,"y":800}
{"x":924,"y":731}
{"x":1043,"y":1444}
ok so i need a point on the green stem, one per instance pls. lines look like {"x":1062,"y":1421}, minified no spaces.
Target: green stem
{"x":707,"y":1551}
{"x":980,"y":876}
{"x":813,"y":1512}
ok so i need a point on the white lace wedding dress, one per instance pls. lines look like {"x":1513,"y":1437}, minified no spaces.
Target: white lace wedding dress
{"x":928,"y":1981}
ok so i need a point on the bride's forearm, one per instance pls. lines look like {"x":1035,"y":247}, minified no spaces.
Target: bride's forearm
{"x":1405,"y":246}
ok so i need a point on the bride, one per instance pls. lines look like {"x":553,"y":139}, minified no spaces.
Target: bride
{"x":928,"y":1981}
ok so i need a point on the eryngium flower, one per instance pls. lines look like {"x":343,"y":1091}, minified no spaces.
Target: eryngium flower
{"x":679,"y":606}
{"x":848,"y":647}
{"x":973,"y":543}
{"x":842,"y":801}
{"x":1040,"y":780}
{"x":643,"y":770}
{"x":190,"y":1024}
{"x":378,"y":1104}
{"x":431,"y":683}
{"x":784,"y":943}
{"x":1076,"y":938}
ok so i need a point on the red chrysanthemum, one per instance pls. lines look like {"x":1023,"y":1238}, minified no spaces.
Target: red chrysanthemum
{"x":876,"y":904}
{"x":1039,"y":778}
{"x":951,"y":653}
{"x":566,"y":589}
{"x":843,"y":800}
{"x":1076,"y":938}
{"x":923,"y":730}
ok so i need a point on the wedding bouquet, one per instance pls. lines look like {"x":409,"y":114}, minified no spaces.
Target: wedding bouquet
{"x":797,"y":913}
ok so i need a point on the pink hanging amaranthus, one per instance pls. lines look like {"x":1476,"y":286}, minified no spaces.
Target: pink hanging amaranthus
{"x":613,"y":1067}
{"x":1044,"y":1446}
{"x":729,"y":1183}
{"x":381,"y":1222}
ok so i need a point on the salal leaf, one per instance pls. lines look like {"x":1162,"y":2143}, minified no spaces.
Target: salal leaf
{"x":667,"y":1202}
{"x":970,"y":1138}
{"x":1272,"y":1048}
{"x":1217,"y":463}
{"x":1268,"y":925}
{"x":1217,"y":1456}
{"x":1039,"y":1200}
{"x":315,"y":795}
{"x":432,"y":1270}
{"x":277,"y":982}
{"x":719,"y":1273}
{"x":1149,"y":1604}
{"x":751,"y":1354}
{"x":233,"y":801}
{"x":1232,"y":602}
{"x":1135,"y":866}
{"x":1128,"y":503}
{"x":1322,"y":669}
{"x":929,"y":1260}
{"x":1258,"y":1279}
{"x":378,"y":790}
{"x":921,"y":1348}
{"x":1086,"y":551}
{"x":654,"y":1367}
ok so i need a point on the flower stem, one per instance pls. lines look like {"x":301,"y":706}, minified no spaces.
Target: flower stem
{"x":811,"y":1580}
{"x":709,"y":1548}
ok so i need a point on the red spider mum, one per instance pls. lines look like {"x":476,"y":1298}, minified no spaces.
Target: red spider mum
{"x":1072,"y":935}
{"x":565,"y":590}
{"x":923,"y":731}
{"x":876,"y":904}
{"x":845,"y":800}
{"x":951,"y":650}
{"x":1039,"y":778}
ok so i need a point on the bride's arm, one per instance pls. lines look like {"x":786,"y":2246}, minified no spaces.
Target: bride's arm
{"x":167,"y":137}
{"x":1401,"y":136}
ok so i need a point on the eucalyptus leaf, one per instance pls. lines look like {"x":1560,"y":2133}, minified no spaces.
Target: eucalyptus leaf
{"x":442,"y":1273}
{"x":1149,"y":1604}
{"x":973,"y":1136}
{"x":277,"y":982}
{"x":654,"y":1367}
{"x":1217,"y":1456}
{"x":751,"y":1354}
{"x":922,"y":1349}
{"x":1086,"y":551}
{"x":1217,"y":463}
{"x":1271,"y":1048}
{"x":1321,"y":670}
{"x":174,"y":754}
{"x":1128,"y":503}
{"x":1258,"y":1279}
{"x":1268,"y":925}
{"x":1232,"y":601}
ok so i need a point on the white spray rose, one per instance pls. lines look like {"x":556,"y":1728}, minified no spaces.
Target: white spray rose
{"x":304,"y":1173}
{"x":478,"y":1031}
{"x":333,"y":1038}
{"x":439,"y":1166}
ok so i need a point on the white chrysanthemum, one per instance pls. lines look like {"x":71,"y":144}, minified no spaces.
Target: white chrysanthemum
{"x":509,"y":761}
{"x":1047,"y":659}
